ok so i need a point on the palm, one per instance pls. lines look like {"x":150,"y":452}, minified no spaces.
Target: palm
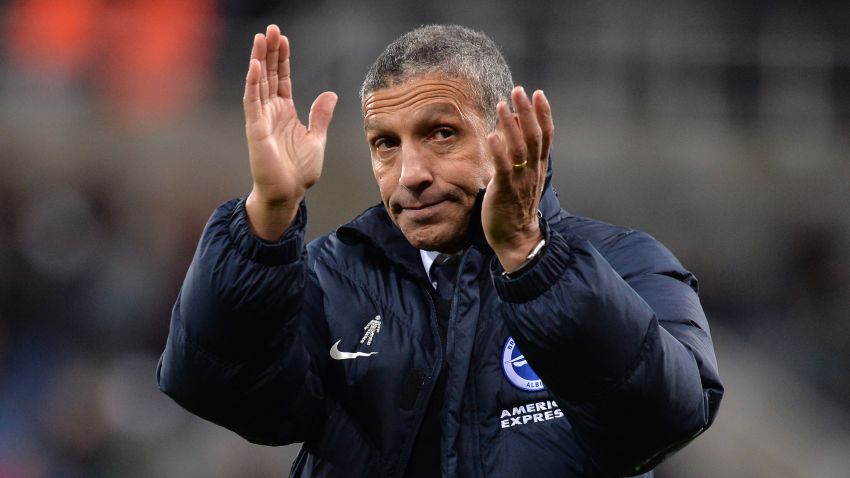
{"x":285,"y":156}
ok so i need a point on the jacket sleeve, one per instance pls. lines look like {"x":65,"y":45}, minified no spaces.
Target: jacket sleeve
{"x":621,"y":341}
{"x":239,"y":346}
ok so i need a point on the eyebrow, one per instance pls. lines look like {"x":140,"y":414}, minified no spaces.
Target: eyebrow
{"x":434,"y":109}
{"x":373,"y":125}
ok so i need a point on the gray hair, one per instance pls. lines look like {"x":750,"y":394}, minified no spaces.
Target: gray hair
{"x":451,"y":50}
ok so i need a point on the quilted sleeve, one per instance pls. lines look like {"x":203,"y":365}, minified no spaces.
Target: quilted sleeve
{"x":621,"y":339}
{"x":237,"y":353}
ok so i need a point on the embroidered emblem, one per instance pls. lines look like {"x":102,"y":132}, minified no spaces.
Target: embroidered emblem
{"x":371,"y":330}
{"x":517,"y":370}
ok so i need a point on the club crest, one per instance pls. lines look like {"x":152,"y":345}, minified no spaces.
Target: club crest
{"x":517,"y":370}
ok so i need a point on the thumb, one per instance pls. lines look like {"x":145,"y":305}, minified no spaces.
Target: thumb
{"x":321,"y":114}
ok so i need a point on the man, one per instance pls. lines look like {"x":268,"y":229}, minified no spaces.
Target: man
{"x":555,"y":345}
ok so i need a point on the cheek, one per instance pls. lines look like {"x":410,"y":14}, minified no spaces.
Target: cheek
{"x":486,"y":169}
{"x":385,"y":177}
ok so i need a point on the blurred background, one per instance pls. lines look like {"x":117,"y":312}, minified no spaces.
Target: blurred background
{"x":721,"y":127}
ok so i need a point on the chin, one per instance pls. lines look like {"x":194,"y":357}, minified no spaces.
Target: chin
{"x":434,"y":238}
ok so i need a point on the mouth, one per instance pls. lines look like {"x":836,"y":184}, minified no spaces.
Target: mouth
{"x":422,"y":207}
{"x":423,"y":211}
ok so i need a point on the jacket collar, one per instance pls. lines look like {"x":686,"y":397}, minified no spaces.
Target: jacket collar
{"x":375,"y":228}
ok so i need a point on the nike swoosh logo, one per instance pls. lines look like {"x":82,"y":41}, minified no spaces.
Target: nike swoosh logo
{"x":336,"y":354}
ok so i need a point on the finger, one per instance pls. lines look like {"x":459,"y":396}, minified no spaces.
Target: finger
{"x":501,"y":162}
{"x":259,"y":53}
{"x":272,"y":50}
{"x":544,"y":118}
{"x":321,"y":113}
{"x":531,"y":132}
{"x":496,"y":144}
{"x":251,"y":100}
{"x":543,"y":111}
{"x":284,"y":84}
{"x":511,"y":135}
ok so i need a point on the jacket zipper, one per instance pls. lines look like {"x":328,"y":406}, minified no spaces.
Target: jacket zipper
{"x":426,"y":392}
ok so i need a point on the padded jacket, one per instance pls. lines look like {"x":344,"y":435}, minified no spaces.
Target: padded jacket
{"x":616,"y":369}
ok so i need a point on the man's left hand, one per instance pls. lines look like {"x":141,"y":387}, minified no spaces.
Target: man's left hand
{"x":520,"y":149}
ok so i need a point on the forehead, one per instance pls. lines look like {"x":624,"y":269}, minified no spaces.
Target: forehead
{"x":427,"y":94}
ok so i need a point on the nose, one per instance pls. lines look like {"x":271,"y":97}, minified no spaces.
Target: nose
{"x":416,"y":173}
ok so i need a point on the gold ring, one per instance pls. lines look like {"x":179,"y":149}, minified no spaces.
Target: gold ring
{"x":521,"y":165}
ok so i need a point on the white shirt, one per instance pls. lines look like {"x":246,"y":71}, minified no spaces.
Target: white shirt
{"x":428,"y":259}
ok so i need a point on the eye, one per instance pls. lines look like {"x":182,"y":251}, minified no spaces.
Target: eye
{"x":383,"y":144}
{"x":443,"y":132}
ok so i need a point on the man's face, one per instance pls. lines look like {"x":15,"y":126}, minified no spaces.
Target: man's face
{"x":429,"y":157}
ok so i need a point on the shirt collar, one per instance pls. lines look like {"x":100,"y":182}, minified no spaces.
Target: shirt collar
{"x":428,"y":259}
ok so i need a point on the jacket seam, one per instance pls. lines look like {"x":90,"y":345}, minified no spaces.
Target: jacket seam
{"x":644,"y":351}
{"x":410,"y":439}
{"x":200,"y":349}
{"x":375,"y":300}
{"x":621,"y":235}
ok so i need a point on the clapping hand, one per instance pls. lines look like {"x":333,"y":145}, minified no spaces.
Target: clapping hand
{"x":520,"y":149}
{"x":285,"y":156}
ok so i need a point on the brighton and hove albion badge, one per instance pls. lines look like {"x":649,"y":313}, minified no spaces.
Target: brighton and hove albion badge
{"x":517,"y":370}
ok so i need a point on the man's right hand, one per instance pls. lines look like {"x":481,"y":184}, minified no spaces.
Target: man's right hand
{"x":285,"y":156}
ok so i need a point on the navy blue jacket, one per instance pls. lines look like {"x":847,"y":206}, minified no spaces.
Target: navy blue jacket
{"x":616,"y":369}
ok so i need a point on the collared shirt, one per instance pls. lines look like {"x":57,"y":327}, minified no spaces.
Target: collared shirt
{"x":428,"y":258}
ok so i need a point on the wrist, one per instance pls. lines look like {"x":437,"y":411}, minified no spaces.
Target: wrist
{"x":530,"y":259}
{"x":269,"y":219}
{"x":514,"y":257}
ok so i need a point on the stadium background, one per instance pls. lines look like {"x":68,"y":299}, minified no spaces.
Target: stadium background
{"x":721,"y":127}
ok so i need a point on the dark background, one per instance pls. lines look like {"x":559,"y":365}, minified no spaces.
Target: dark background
{"x":720,"y":127}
